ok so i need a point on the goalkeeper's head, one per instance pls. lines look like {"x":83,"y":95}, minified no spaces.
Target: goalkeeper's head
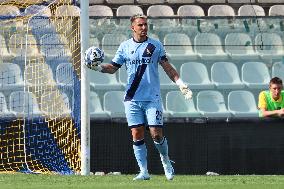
{"x":139,"y":26}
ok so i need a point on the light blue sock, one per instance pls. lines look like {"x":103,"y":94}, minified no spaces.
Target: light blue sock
{"x":140,"y":152}
{"x":162,"y":146}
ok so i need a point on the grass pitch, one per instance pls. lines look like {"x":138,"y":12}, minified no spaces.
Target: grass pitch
{"x":26,"y":181}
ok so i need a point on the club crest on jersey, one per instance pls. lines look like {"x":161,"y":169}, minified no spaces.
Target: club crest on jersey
{"x":149,"y":50}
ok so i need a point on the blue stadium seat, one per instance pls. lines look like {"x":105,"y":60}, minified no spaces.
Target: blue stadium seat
{"x":65,"y":74}
{"x":225,"y":75}
{"x":242,"y":104}
{"x":102,"y":81}
{"x":165,"y":81}
{"x":212,"y":104}
{"x":278,"y":70}
{"x":10,"y":76}
{"x":4,"y":112}
{"x":110,"y":44}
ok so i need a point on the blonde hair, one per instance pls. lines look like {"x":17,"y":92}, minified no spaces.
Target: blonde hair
{"x":134,"y":17}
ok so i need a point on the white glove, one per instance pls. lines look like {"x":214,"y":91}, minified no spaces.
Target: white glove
{"x":95,"y":66}
{"x":187,"y":93}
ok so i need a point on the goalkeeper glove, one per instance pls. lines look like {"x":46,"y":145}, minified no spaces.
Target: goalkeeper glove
{"x":187,"y":93}
{"x":95,"y":66}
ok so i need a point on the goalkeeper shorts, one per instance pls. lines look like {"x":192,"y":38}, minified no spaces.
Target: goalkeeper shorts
{"x":144,"y":112}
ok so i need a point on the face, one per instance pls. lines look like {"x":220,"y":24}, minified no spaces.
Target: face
{"x":275,"y":90}
{"x":140,"y":27}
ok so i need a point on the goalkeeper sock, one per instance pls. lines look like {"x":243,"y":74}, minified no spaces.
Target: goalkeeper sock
{"x":162,"y":146}
{"x":140,"y":152}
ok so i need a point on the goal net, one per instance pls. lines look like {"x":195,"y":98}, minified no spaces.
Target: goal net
{"x":40,"y":86}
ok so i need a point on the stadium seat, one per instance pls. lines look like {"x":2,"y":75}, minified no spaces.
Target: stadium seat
{"x":211,"y":1}
{"x":102,"y":81}
{"x":269,"y":45}
{"x":240,"y":46}
{"x":161,"y":25}
{"x":195,"y":74}
{"x":96,"y":110}
{"x":190,"y":25}
{"x":9,"y":10}
{"x":221,"y":10}
{"x":55,"y":46}
{"x":122,"y":76}
{"x":19,"y":48}
{"x":110,"y":44}
{"x":209,"y":46}
{"x":212,"y":104}
{"x":94,"y":42}
{"x":242,"y":104}
{"x":241,"y":1}
{"x":255,"y":75}
{"x":4,"y":53}
{"x":174,"y":2}
{"x":270,"y":1}
{"x":38,"y":10}
{"x":55,"y":104}
{"x":225,"y":75}
{"x":178,"y":47}
{"x":100,"y":10}
{"x":129,"y":2}
{"x":113,"y":103}
{"x":278,"y":70}
{"x":150,"y":1}
{"x":127,"y":11}
{"x":67,"y":10}
{"x":65,"y":74}
{"x":10,"y":76}
{"x":251,"y":10}
{"x":165,"y":81}
{"x":23,"y":103}
{"x":3,"y":106}
{"x":179,"y":107}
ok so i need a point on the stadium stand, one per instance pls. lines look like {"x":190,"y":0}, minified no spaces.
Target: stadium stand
{"x":242,"y":104}
{"x":276,"y":10}
{"x":241,"y":1}
{"x":190,"y":10}
{"x":270,"y":1}
{"x":278,"y":70}
{"x":10,"y":76}
{"x":110,"y":43}
{"x":91,"y":2}
{"x":209,"y":46}
{"x":55,"y":104}
{"x":96,"y":110}
{"x":240,"y":46}
{"x":225,"y":75}
{"x":151,"y":1}
{"x":251,"y":10}
{"x":180,"y":1}
{"x":39,"y":10}
{"x":120,"y":1}
{"x":212,"y":104}
{"x":3,"y":106}
{"x":178,"y":47}
{"x":269,"y":45}
{"x":24,"y":103}
{"x":127,"y":11}
{"x":196,"y":75}
{"x":177,"y":106}
{"x":211,"y":1}
{"x":100,"y":81}
{"x":255,"y":75}
{"x":64,"y":74}
{"x":221,"y":10}
{"x":111,"y":98}
{"x":9,"y":10}
{"x":67,"y":10}
{"x":165,"y":81}
{"x":100,"y":10}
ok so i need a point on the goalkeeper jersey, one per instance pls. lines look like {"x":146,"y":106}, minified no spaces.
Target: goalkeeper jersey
{"x":141,"y":61}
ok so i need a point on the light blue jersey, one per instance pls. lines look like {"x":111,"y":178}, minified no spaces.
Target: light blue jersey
{"x":141,"y":60}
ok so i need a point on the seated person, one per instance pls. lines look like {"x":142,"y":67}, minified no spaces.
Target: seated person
{"x":271,"y":102}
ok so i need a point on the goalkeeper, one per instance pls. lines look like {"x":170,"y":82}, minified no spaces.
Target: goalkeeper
{"x":141,"y":56}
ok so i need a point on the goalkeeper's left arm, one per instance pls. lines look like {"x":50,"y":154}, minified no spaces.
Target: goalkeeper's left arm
{"x":174,"y":76}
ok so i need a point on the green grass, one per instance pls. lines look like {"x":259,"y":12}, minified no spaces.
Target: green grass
{"x":25,"y":181}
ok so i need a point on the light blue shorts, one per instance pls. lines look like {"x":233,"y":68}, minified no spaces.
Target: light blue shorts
{"x":140,"y":113}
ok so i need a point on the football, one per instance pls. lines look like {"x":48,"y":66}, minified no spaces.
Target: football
{"x":94,"y":56}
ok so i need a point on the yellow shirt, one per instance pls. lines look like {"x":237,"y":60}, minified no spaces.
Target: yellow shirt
{"x":262,"y":101}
